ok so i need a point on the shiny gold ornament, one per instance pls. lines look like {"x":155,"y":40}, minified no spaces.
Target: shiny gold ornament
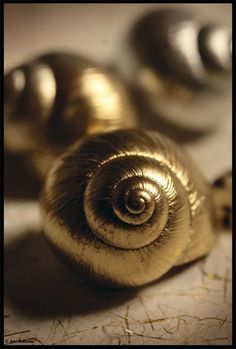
{"x":126,"y":206}
{"x":181,"y":65}
{"x":56,"y":98}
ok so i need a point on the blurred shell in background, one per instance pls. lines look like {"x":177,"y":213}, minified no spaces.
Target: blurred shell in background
{"x":181,"y":66}
{"x":54,"y":99}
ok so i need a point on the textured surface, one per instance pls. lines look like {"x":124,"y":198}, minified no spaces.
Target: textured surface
{"x":45,"y":303}
{"x":113,"y":244}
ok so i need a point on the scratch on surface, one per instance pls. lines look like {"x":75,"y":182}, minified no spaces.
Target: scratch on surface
{"x":190,"y":294}
{"x":197,"y":297}
{"x":35,"y":339}
{"x":215,"y":276}
{"x":179,"y":321}
{"x":215,"y":339}
{"x":104,"y":329}
{"x":211,"y":275}
{"x":61,"y":325}
{"x":169,"y":331}
{"x":50,"y":329}
{"x":163,"y":319}
{"x":79,"y":331}
{"x":146,"y":312}
{"x":145,"y":336}
{"x":168,"y":306}
{"x":13,"y":333}
{"x":127,"y":324}
{"x":204,"y":339}
{"x":55,"y":326}
{"x":208,"y":289}
{"x":188,"y":316}
{"x":213,"y":318}
{"x":224,"y":320}
{"x":180,"y":291}
{"x":163,"y":314}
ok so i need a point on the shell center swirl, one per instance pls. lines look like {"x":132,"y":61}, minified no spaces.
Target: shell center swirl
{"x":136,"y":201}
{"x":133,"y":200}
{"x":129,"y":210}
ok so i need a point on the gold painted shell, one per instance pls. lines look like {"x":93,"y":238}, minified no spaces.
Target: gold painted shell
{"x":125,"y":206}
{"x":55,"y":99}
{"x":181,"y":65}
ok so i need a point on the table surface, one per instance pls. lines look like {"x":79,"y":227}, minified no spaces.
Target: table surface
{"x":44,"y":302}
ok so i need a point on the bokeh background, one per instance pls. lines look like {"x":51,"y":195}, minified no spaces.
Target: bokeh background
{"x":45,"y":304}
{"x":96,"y":30}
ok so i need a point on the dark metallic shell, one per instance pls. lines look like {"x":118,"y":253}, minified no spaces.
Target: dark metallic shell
{"x":180,"y":67}
{"x":58,"y":97}
{"x":179,"y":46}
{"x":126,"y":206}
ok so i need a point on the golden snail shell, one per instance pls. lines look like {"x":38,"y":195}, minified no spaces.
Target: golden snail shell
{"x":126,"y":206}
{"x":183,"y":68}
{"x":55,"y":99}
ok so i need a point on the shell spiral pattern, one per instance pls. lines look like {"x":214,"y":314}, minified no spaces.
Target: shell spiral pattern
{"x":178,"y":45}
{"x":126,"y":206}
{"x":58,"y":97}
{"x":179,"y":64}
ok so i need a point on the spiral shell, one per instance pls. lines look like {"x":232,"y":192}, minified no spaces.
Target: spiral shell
{"x":126,"y":206}
{"x":182,"y":66}
{"x":176,"y":43}
{"x":56,"y":98}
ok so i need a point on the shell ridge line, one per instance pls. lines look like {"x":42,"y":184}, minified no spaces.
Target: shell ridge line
{"x":132,"y":153}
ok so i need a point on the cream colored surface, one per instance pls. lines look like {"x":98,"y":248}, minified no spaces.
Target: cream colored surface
{"x":44,"y":302}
